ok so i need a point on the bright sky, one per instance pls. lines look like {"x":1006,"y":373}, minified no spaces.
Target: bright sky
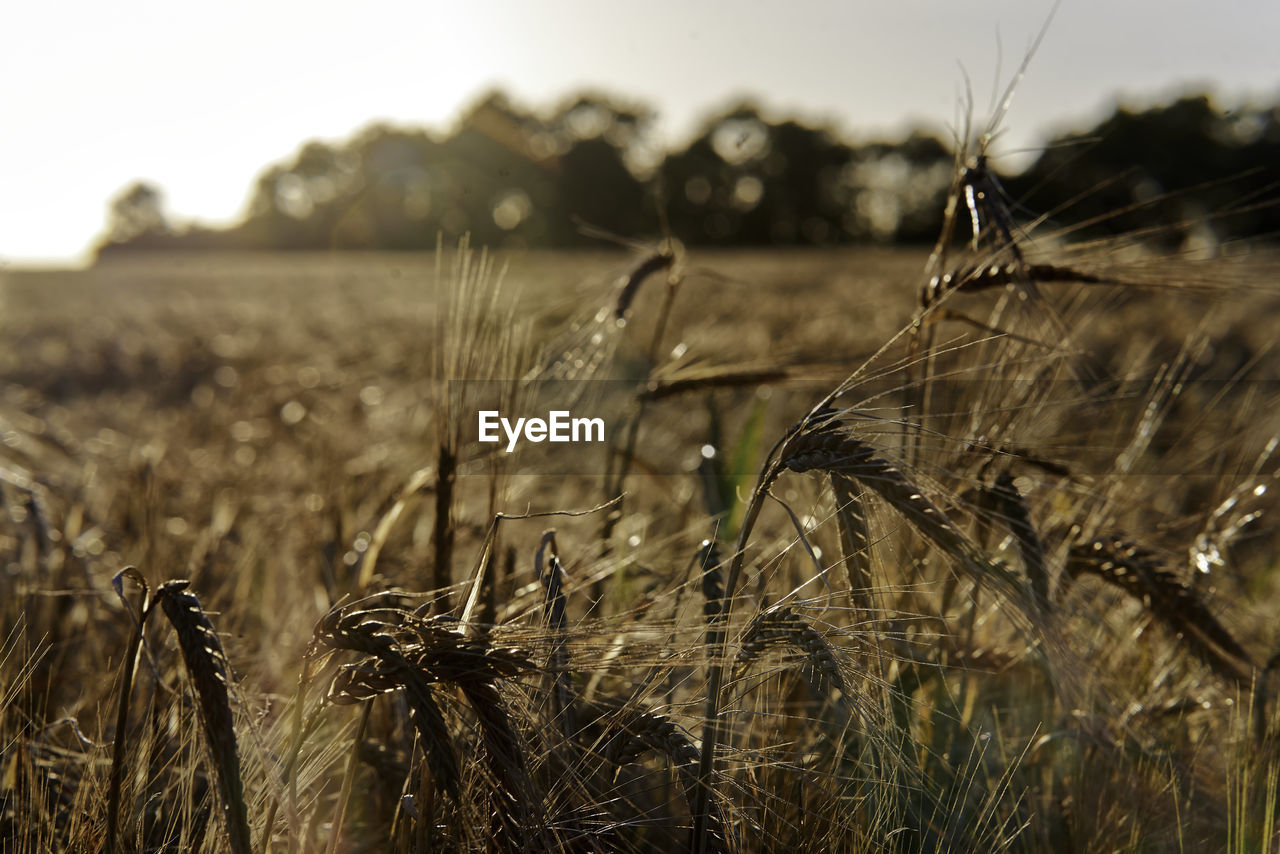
{"x":199,"y":98}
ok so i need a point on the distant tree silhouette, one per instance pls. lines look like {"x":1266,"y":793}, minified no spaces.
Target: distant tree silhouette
{"x":596,"y":136}
{"x":510,"y":176}
{"x":504,"y":175}
{"x":1166,"y":170}
{"x":896,"y":192}
{"x":745,"y":180}
{"x":137,"y":213}
{"x":495,"y":182}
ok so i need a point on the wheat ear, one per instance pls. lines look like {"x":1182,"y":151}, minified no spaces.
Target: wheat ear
{"x":1138,"y":572}
{"x":211,"y":676}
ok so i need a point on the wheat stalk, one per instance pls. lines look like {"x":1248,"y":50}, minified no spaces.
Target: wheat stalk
{"x":211,"y":674}
{"x":411,"y":652}
{"x":855,"y":542}
{"x":983,"y":277}
{"x":829,"y":449}
{"x":1138,"y":572}
{"x":785,"y":626}
{"x":390,"y":670}
{"x":1012,"y":509}
{"x":692,"y":379}
{"x":709,"y":560}
{"x":629,"y":283}
{"x":549,"y":572}
{"x":122,"y":702}
{"x":629,"y":732}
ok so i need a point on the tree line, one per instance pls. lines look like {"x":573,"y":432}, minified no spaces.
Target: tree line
{"x":512,"y":177}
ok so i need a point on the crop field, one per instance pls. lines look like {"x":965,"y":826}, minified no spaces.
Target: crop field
{"x":861,"y":562}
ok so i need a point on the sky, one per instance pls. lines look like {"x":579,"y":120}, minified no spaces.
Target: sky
{"x":199,"y":98}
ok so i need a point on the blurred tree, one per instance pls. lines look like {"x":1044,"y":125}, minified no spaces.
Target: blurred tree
{"x":513,"y":177}
{"x":137,"y":212}
{"x":800,"y":200}
{"x":897,"y":192}
{"x":390,"y":198}
{"x":696,"y":184}
{"x":1171,"y":171}
{"x":715,"y":188}
{"x":600,"y":142}
{"x":594,"y":185}
{"x":745,"y":180}
{"x":495,"y":179}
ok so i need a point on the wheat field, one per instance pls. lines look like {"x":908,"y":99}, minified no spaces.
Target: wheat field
{"x":970,"y":550}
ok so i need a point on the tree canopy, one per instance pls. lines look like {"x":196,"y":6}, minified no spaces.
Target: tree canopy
{"x":510,"y":176}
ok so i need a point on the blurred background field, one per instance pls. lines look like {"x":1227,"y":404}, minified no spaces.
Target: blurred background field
{"x":246,"y":422}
